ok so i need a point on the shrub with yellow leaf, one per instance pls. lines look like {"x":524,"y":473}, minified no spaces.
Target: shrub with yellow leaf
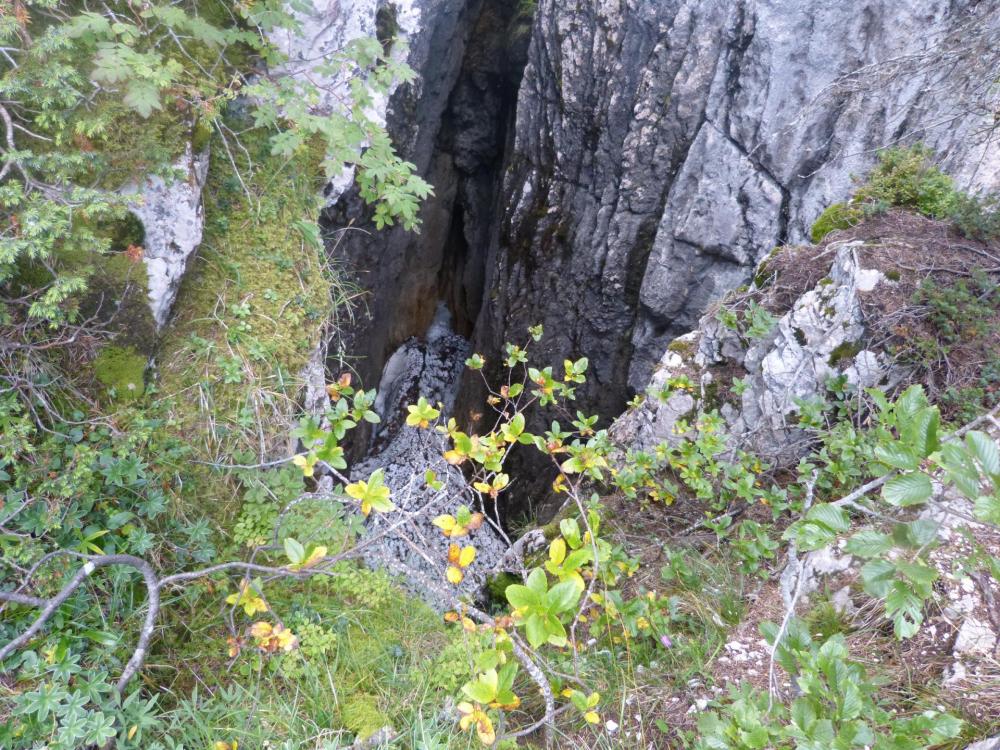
{"x":459,"y":558}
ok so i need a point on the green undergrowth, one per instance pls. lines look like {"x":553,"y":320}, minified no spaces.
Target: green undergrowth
{"x":249,"y":313}
{"x":907,"y":177}
{"x":369,"y":657}
{"x":836,"y":216}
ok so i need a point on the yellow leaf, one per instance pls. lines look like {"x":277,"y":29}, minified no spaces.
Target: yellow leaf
{"x":482,"y":486}
{"x":467,"y":710}
{"x":453,"y":457}
{"x":356,"y":490}
{"x":454,"y":575}
{"x":476,"y":715}
{"x":454,"y":553}
{"x":507,"y":706}
{"x":285,"y":638}
{"x":445,"y":523}
{"x":557,"y":551}
{"x":261,"y":630}
{"x":592,"y":717}
{"x":468,"y":624}
{"x":303,"y":463}
{"x":484,"y":730}
{"x":366,"y":508}
{"x":132,"y":730}
{"x":317,"y":554}
{"x":254,"y":604}
{"x":467,"y":556}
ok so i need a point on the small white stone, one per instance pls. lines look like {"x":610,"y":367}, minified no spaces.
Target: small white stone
{"x":611,"y":726}
{"x":974,"y":637}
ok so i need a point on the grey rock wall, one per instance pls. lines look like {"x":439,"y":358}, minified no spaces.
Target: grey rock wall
{"x":172,"y":216}
{"x":662,"y":148}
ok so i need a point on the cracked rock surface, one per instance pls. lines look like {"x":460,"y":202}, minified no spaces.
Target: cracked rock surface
{"x":172,"y":216}
{"x":662,"y":149}
{"x":822,"y":336}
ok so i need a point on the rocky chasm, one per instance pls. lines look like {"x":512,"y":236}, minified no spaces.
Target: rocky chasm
{"x":609,"y":168}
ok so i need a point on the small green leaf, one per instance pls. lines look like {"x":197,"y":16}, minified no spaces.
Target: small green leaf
{"x":295,"y":552}
{"x":830,"y":516}
{"x":562,"y":597}
{"x":521,"y":596}
{"x":907,"y":489}
{"x":868,"y":543}
{"x":534,"y":629}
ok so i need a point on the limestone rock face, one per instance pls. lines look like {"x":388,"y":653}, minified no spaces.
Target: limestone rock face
{"x":822,"y":336}
{"x":326,"y":29}
{"x":661,"y":149}
{"x":171,"y":214}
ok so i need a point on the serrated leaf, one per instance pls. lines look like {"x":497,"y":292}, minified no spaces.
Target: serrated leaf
{"x":904,"y":607}
{"x":918,"y":573}
{"x":985,"y":449}
{"x":868,"y":543}
{"x":876,"y":576}
{"x":897,"y":456}
{"x":907,"y":489}
{"x":987,"y":508}
{"x":143,"y":97}
{"x":830,"y":516}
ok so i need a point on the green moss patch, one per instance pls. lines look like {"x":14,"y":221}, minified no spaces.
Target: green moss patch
{"x":835,"y":217}
{"x":844,"y":353}
{"x":361,"y":715}
{"x":121,"y":369}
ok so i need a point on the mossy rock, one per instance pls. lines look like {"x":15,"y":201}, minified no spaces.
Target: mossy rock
{"x":844,"y":353}
{"x":837,"y":216}
{"x":680,"y":346}
{"x":120,"y":284}
{"x":496,"y":587}
{"x":122,"y":369}
{"x":361,"y":715}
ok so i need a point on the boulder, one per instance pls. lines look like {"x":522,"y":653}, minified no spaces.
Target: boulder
{"x":417,"y":550}
{"x":171,"y":213}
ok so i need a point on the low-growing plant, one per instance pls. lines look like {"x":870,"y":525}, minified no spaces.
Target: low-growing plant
{"x":906,"y":177}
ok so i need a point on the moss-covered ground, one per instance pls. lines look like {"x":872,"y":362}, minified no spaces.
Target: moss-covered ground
{"x":249,"y":314}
